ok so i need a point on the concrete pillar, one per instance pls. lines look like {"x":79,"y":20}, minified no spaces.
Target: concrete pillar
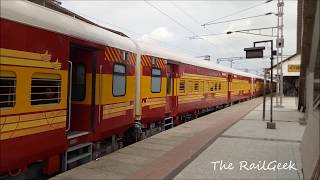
{"x":310,"y":149}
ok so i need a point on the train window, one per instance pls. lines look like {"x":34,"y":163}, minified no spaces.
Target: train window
{"x":189,"y":87}
{"x":154,"y":60}
{"x":78,"y":82}
{"x":7,"y":89}
{"x":45,"y":88}
{"x":215,"y":86}
{"x":182,"y":86}
{"x":220,"y":86}
{"x":211,"y":86}
{"x":155,"y":80}
{"x":196,"y":86}
{"x":168,"y":84}
{"x":125,"y":55}
{"x":119,"y":80}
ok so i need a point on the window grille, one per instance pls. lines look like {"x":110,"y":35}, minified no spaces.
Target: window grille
{"x":211,"y":86}
{"x":7,"y":89}
{"x":182,"y":86}
{"x":196,"y":86}
{"x":45,"y":89}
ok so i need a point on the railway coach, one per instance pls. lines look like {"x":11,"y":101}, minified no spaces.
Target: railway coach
{"x":67,"y":90}
{"x":71,"y":91}
{"x":195,"y":86}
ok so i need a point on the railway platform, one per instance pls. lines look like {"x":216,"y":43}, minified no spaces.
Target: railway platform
{"x":188,"y":150}
{"x":249,"y":141}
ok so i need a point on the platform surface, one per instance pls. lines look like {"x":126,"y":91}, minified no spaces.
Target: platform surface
{"x":249,"y":140}
{"x":165,"y":154}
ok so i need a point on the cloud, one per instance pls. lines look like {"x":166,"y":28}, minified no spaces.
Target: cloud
{"x":159,"y":34}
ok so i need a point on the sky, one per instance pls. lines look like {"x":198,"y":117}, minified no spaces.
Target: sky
{"x":170,"y":24}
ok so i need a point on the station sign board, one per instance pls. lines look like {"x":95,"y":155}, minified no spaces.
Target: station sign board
{"x":293,"y":67}
{"x":254,"y":52}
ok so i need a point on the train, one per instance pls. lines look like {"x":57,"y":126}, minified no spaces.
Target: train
{"x":71,"y":91}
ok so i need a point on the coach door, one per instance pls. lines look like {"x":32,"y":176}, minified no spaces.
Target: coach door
{"x":82,"y":74}
{"x":170,"y":89}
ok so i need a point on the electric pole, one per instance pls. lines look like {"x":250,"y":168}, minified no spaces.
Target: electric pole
{"x":279,"y":45}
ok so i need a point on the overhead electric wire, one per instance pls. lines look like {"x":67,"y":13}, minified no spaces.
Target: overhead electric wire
{"x":211,"y":34}
{"x":239,"y":19}
{"x":256,"y":34}
{"x":195,"y":20}
{"x":101,"y":22}
{"x":185,"y":13}
{"x":175,"y":21}
{"x":255,"y":29}
{"x":236,"y":31}
{"x":237,"y":12}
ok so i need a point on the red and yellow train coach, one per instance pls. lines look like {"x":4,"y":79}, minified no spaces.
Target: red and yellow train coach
{"x":258,"y":86}
{"x":69,"y":89}
{"x":33,"y":95}
{"x":153,"y":91}
{"x":66,"y":87}
{"x":200,"y":88}
{"x":195,"y":86}
{"x":241,"y":87}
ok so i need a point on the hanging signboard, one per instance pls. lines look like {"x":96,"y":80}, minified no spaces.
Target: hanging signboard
{"x":254,"y":52}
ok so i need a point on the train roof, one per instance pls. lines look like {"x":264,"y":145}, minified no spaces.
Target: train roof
{"x":39,"y":16}
{"x":36,"y":15}
{"x":187,"y":59}
{"x":56,"y":5}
